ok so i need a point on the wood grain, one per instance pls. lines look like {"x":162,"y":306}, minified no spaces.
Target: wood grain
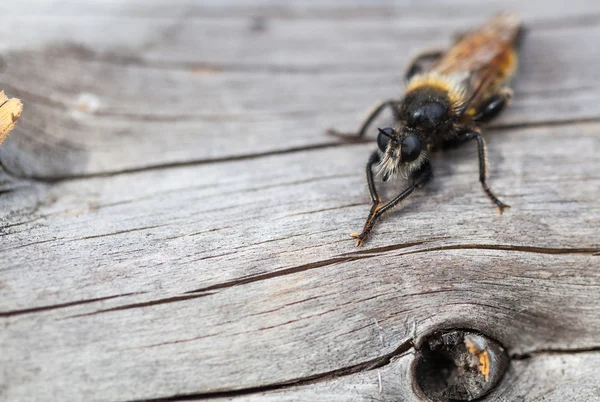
{"x":175,"y":224}
{"x":208,"y":268}
{"x":569,"y":374}
{"x":168,"y":95}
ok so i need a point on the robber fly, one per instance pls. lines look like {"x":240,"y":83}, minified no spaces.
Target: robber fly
{"x":442,"y":108}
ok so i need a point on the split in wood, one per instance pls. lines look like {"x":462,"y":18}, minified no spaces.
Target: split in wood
{"x":459,"y":365}
{"x":10,"y":110}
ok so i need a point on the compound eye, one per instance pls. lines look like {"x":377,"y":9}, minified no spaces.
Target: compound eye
{"x":411,"y":148}
{"x":384,"y":137}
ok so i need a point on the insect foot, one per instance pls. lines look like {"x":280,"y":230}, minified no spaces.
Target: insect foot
{"x":502,"y":207}
{"x":358,"y":238}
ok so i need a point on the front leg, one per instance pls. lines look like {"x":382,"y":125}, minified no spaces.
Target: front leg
{"x":375,"y":199}
{"x":420,"y":177}
{"x":371,"y":116}
{"x":483,"y":168}
{"x":373,"y":159}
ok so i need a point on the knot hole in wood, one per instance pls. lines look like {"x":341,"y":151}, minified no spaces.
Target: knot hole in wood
{"x":459,"y":365}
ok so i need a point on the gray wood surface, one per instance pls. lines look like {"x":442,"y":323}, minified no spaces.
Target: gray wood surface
{"x":112,"y":88}
{"x":174,"y":223}
{"x":527,"y":380}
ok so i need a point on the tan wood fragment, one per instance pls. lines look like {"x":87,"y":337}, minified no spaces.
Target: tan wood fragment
{"x":10,"y":111}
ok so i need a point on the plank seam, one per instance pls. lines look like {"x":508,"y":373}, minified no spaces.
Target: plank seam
{"x":235,"y":158}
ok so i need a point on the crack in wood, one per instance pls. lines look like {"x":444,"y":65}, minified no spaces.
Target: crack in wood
{"x":384,"y":249}
{"x":545,"y":123}
{"x":284,"y":306}
{"x":509,"y":247}
{"x":172,"y":165}
{"x":354,"y":256}
{"x":118,"y":233}
{"x":356,"y":204}
{"x":372,"y":364}
{"x":369,"y":253}
{"x":257,"y":155}
{"x":197,"y":233}
{"x":35,"y":243}
{"x":276,"y":274}
{"x":534,"y":353}
{"x":82,"y":238}
{"x":142,"y":304}
{"x":63,"y":305}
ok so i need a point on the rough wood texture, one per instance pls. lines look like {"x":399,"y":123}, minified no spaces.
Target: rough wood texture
{"x":545,"y":377}
{"x":269,"y":79}
{"x":174,"y":222}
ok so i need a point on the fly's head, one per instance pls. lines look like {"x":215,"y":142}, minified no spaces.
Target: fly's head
{"x":430,"y":108}
{"x":403,"y":151}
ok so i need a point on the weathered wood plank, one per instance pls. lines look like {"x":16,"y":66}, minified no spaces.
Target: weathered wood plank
{"x":316,"y":199}
{"x":9,"y":182}
{"x":161,"y":94}
{"x":413,"y":13}
{"x":391,"y":382}
{"x":227,"y":268}
{"x":565,"y":377}
{"x":307,"y":324}
{"x":235,"y":279}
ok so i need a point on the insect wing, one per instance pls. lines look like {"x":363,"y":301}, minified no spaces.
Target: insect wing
{"x":483,"y":60}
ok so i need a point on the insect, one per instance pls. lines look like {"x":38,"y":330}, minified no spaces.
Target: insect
{"x":443,"y":105}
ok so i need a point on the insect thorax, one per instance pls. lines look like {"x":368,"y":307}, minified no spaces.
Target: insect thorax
{"x":431,"y":103}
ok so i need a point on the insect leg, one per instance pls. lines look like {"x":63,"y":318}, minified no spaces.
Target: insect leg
{"x":373,"y":113}
{"x":483,"y":169}
{"x":493,"y":106}
{"x":420,"y":177}
{"x":416,"y":64}
{"x":373,"y":159}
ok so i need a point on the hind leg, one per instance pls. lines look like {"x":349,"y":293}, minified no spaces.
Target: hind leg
{"x":493,"y":106}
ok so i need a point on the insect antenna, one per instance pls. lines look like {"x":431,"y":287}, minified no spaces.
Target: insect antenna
{"x":391,"y":137}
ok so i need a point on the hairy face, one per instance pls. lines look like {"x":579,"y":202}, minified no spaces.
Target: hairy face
{"x":403,"y":152}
